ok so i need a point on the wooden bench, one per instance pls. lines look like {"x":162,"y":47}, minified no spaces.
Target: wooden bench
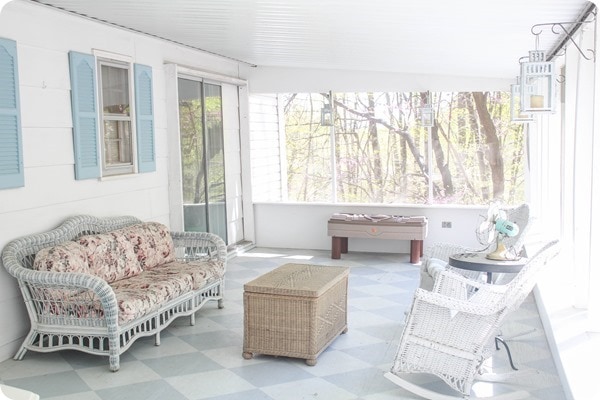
{"x":342,"y":226}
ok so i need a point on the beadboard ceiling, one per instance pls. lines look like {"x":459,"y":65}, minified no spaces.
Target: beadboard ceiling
{"x":484,"y":38}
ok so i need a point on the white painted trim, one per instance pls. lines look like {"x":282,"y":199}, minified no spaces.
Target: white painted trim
{"x":283,"y":168}
{"x":120,"y":61}
{"x":173,"y":140}
{"x":246,"y":166}
{"x":112,"y":56}
{"x":173,"y":72}
{"x":199,"y":73}
{"x":552,"y":344}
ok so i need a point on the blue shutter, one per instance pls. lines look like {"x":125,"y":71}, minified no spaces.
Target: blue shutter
{"x":144,"y":118}
{"x":85,"y":115}
{"x":11,"y":146}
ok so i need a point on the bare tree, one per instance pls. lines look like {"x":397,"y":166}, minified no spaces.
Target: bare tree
{"x":377,"y":179}
{"x":493,"y":154}
{"x":402,"y":132}
{"x":380,"y":148}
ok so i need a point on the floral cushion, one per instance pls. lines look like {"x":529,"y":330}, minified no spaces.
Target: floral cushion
{"x":126,"y":252}
{"x":111,"y":256}
{"x":142,"y":253}
{"x":202,"y":272}
{"x":148,"y":291}
{"x":65,"y":257}
{"x":152,"y":243}
{"x":153,"y":288}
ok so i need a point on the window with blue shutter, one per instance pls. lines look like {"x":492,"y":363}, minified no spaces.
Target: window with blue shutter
{"x":11,"y":147}
{"x":85,"y":117}
{"x":103,"y":119}
{"x":144,"y":118}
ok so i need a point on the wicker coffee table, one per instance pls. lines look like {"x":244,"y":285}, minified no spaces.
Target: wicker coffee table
{"x":296,"y":310}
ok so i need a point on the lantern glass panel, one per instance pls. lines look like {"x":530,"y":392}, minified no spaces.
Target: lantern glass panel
{"x":427,"y":118}
{"x":537,"y":87}
{"x":516,"y":115}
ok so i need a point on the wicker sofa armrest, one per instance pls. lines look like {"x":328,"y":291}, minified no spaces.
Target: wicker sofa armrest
{"x":45,"y":290}
{"x":192,"y":246}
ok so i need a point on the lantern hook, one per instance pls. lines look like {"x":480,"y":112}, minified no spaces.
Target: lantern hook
{"x":561,"y":28}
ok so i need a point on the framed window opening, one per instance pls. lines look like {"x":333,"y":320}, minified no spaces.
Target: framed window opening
{"x":116,"y":117}
{"x":376,"y":150}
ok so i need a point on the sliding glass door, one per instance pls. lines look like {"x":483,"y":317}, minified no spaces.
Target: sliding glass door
{"x":202,"y":157}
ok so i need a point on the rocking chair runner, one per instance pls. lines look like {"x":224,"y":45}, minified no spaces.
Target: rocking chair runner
{"x":449,"y":331}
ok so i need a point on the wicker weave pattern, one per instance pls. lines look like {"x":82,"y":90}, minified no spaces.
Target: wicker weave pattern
{"x":79,"y":311}
{"x":449,"y":330}
{"x":442,"y":251}
{"x":296,"y":310}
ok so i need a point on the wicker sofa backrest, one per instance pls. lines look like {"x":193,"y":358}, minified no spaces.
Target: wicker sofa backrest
{"x":24,"y":249}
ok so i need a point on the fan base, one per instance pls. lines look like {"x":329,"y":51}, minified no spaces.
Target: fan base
{"x":500,"y":254}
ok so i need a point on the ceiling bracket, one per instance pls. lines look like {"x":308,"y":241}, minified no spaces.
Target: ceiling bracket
{"x":559,"y":28}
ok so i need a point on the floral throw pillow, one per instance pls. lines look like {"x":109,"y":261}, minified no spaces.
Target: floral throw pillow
{"x":152,"y":244}
{"x":110,"y":256}
{"x":65,"y":257}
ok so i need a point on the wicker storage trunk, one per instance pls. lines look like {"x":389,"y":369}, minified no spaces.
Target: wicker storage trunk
{"x":296,"y":310}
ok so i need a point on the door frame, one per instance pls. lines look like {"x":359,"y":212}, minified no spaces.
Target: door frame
{"x":172,"y":73}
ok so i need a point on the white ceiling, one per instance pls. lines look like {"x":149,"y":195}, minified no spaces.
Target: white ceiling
{"x":478,"y":38}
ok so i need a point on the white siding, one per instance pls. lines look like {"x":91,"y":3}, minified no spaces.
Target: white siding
{"x":44,"y":37}
{"x":265,"y":148}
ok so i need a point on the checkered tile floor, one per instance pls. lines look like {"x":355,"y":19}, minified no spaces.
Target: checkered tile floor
{"x":205,"y":361}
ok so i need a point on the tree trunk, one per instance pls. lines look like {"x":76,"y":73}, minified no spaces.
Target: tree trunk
{"x":484,"y":187}
{"x":494,"y":155}
{"x":438,"y":153}
{"x":376,"y":155}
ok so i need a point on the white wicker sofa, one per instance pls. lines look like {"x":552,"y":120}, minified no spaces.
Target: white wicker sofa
{"x":98,"y":284}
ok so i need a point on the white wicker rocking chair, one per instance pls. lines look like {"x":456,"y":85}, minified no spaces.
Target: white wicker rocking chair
{"x":435,"y":257}
{"x":450,"y":331}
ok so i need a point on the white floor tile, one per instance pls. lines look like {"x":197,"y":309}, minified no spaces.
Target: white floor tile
{"x":205,"y":361}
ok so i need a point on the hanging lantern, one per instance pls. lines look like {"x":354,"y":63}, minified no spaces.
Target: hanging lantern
{"x":427,"y":114}
{"x":326,"y":115}
{"x":537,"y":89}
{"x":516,"y":115}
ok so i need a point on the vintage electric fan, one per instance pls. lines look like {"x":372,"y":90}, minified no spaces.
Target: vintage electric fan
{"x":495,"y":228}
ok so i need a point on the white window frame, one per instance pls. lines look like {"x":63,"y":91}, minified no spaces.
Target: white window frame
{"x":119,"y":61}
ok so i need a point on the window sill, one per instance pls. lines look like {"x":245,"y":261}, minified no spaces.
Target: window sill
{"x":574,"y":346}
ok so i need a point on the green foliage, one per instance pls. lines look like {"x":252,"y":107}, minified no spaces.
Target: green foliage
{"x":202,"y":155}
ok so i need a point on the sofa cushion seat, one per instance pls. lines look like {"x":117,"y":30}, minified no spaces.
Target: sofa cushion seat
{"x":201,"y":272}
{"x":148,"y":291}
{"x":153,"y":288}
